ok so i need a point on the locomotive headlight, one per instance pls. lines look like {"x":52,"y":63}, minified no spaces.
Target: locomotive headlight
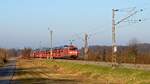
{"x":70,"y":52}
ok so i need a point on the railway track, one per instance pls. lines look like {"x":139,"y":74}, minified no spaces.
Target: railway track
{"x":109,"y":64}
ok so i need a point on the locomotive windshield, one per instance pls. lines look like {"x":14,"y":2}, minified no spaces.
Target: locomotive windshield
{"x":73,"y":48}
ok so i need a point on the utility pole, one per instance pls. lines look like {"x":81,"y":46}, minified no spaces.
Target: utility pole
{"x":51,"y":44}
{"x":114,"y":46}
{"x":86,"y":46}
{"x":114,"y":24}
{"x":40,"y":49}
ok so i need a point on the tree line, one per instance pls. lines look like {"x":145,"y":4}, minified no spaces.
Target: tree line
{"x":5,"y":54}
{"x":134,"y":52}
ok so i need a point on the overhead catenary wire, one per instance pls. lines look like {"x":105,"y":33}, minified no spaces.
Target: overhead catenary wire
{"x":99,"y":29}
{"x":133,"y":22}
{"x":90,"y":33}
{"x":127,"y":10}
{"x":114,"y":24}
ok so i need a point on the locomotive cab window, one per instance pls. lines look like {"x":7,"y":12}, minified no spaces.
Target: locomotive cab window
{"x":73,"y":49}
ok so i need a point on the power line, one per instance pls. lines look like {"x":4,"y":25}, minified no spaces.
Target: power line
{"x":91,"y":33}
{"x":127,"y":10}
{"x":133,"y":22}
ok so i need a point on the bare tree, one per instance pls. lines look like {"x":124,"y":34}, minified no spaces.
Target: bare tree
{"x":3,"y":55}
{"x":104,"y":55}
{"x":133,"y":49}
{"x":26,"y":53}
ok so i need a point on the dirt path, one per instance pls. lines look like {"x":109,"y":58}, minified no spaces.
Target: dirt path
{"x":7,"y":71}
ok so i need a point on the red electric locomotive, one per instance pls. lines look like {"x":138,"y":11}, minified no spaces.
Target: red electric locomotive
{"x":67,"y":51}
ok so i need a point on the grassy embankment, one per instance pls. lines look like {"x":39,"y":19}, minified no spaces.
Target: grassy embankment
{"x":106,"y":74}
{"x":55,"y":72}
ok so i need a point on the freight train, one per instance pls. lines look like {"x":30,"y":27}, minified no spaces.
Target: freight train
{"x":67,"y":51}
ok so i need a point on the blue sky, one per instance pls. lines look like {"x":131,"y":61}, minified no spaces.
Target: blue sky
{"x":24,"y":23}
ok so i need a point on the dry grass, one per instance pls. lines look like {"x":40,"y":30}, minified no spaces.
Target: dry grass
{"x":38,"y":71}
{"x":54,"y":72}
